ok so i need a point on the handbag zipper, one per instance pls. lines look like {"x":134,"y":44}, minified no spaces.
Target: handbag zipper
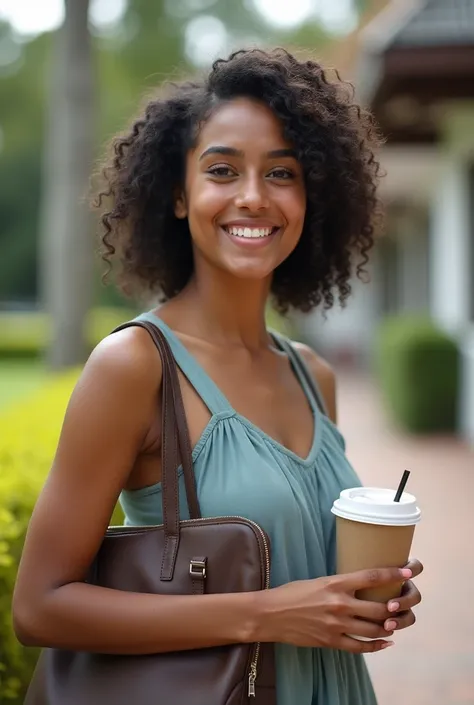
{"x":252,"y":675}
{"x":253,"y":671}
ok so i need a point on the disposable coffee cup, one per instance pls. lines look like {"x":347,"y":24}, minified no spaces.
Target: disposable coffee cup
{"x":374,"y":531}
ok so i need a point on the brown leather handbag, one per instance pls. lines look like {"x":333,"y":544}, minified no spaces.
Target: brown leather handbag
{"x":194,"y":556}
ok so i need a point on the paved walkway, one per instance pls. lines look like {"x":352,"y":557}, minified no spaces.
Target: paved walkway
{"x":433,"y":662}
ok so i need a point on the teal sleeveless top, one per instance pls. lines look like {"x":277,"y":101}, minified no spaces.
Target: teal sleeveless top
{"x":240,"y":470}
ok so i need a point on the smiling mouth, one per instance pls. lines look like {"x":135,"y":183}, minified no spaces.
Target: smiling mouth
{"x":250,"y":233}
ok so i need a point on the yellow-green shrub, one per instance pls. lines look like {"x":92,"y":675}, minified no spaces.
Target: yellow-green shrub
{"x":28,"y":436}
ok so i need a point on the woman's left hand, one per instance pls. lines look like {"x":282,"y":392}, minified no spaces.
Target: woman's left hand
{"x":403,"y":615}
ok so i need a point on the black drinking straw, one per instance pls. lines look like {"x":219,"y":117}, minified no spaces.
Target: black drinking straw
{"x":402,"y":485}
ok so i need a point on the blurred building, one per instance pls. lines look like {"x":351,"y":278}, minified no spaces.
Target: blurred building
{"x":413,"y":65}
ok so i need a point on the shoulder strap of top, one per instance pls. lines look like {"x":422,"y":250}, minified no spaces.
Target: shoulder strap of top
{"x":205,"y":387}
{"x":302,"y":371}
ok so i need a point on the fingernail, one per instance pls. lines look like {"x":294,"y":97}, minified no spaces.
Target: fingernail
{"x":386,"y":644}
{"x":390,"y":625}
{"x":406,"y":572}
{"x":394,"y":607}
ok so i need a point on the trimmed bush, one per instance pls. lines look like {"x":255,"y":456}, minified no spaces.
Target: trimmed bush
{"x":26,"y":334}
{"x":28,"y":437}
{"x":419,"y":369}
{"x":29,"y":433}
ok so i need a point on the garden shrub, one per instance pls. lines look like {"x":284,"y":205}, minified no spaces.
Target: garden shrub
{"x":29,"y":432}
{"x":419,"y":368}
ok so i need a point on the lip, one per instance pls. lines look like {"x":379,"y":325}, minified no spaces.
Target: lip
{"x":250,"y":223}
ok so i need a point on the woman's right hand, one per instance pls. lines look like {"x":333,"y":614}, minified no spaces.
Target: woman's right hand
{"x":322,"y":612}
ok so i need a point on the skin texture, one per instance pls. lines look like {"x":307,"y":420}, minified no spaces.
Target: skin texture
{"x":219,"y":317}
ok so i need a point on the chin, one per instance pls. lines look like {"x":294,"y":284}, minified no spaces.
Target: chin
{"x":253,"y":272}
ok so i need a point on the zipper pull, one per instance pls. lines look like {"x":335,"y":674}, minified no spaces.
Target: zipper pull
{"x":252,"y":679}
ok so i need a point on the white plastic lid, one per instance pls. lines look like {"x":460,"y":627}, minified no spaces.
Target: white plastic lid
{"x":373,"y":505}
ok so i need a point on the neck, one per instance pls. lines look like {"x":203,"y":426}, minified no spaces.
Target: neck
{"x":225,"y":310}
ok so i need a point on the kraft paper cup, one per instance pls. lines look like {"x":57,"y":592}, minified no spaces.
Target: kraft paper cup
{"x":374,"y":531}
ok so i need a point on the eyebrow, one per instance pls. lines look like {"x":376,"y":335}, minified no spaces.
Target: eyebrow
{"x":231,"y":152}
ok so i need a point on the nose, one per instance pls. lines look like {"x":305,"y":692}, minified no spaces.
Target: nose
{"x":252,"y":194}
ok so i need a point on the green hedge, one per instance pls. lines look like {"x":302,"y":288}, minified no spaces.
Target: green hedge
{"x":26,"y":334}
{"x":28,"y":436}
{"x":419,"y":369}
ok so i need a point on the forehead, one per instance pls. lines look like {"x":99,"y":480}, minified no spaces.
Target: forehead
{"x":244,"y":124}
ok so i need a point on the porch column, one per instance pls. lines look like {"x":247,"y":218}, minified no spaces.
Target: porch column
{"x":451,"y":267}
{"x":450,"y":249}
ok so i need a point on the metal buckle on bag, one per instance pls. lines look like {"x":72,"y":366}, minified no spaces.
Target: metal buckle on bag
{"x":197,"y":568}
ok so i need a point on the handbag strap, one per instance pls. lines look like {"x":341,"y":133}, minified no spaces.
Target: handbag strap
{"x":175,"y":449}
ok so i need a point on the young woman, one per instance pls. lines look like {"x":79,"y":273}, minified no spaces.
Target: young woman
{"x":257,"y":182}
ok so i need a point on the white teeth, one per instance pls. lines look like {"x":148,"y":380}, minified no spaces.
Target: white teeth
{"x":249,"y":232}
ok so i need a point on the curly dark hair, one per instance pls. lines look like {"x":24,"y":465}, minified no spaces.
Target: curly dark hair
{"x":335,"y":141}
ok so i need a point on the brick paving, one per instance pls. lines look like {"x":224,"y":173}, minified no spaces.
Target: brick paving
{"x":432,"y":663}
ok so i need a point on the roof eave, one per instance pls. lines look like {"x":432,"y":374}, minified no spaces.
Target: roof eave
{"x":374,"y":41}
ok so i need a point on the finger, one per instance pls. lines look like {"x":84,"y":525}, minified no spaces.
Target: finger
{"x":369,"y":630}
{"x":410,"y":597}
{"x":374,"y":578}
{"x":373,"y":611}
{"x":355,"y":646}
{"x":415,"y":566}
{"x":401,"y":621}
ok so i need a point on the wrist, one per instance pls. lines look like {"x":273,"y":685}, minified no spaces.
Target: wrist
{"x":261,"y":611}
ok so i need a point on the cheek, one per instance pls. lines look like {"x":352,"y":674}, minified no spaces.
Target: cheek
{"x":207,"y":200}
{"x":293,"y":205}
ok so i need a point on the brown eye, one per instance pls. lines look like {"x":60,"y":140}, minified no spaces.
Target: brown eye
{"x":222,"y":171}
{"x":283,"y":174}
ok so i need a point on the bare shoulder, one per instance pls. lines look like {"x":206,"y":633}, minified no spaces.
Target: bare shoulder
{"x":127,"y":357}
{"x":323,"y":374}
{"x":119,"y":382}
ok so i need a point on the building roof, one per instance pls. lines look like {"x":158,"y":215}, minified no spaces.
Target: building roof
{"x":416,"y":50}
{"x":438,"y":22}
{"x":420,"y":24}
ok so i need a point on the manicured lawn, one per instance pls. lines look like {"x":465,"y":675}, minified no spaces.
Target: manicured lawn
{"x":18,"y":378}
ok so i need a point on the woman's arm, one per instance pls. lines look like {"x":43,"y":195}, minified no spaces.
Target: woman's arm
{"x":104,"y":430}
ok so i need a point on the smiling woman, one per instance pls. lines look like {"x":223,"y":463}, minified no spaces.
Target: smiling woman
{"x":257,"y":182}
{"x":247,"y":186}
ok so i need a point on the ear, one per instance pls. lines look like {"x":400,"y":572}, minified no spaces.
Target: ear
{"x":180,"y":207}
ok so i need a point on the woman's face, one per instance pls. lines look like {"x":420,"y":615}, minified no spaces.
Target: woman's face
{"x":244,"y":195}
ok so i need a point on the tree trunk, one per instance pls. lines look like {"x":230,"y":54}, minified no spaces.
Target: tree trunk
{"x":66,"y":249}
